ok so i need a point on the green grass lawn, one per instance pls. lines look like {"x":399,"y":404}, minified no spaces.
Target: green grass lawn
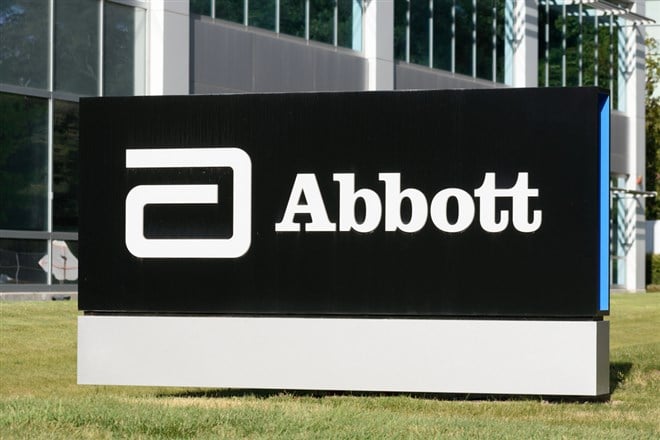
{"x":39,"y":397}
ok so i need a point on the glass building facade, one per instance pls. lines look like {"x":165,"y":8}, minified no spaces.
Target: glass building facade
{"x":51,"y":54}
{"x":458,"y":36}
{"x":335,"y":22}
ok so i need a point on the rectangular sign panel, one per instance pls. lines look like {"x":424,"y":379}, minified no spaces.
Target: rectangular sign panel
{"x":433,"y":203}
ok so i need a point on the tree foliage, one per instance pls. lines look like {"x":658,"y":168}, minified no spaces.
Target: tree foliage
{"x":653,"y":126}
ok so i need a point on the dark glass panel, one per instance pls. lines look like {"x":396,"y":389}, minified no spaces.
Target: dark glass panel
{"x":419,"y":32}
{"x":23,"y":162}
{"x":292,"y":17}
{"x":464,"y":37}
{"x":321,"y":20}
{"x":556,"y":49}
{"x":201,"y":7}
{"x":123,"y":50}
{"x":262,"y":14}
{"x":572,"y":45}
{"x":65,"y":166}
{"x":500,"y":40}
{"x":231,"y":10}
{"x":77,"y":46}
{"x":349,"y":22}
{"x":24,"y":43}
{"x":19,"y":261}
{"x":442,"y":34}
{"x":485,"y":17}
{"x":400,"y":26}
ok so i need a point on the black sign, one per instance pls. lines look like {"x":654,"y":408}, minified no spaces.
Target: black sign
{"x":436,"y":203}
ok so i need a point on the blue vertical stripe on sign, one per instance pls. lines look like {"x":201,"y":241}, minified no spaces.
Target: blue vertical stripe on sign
{"x":604,"y":251}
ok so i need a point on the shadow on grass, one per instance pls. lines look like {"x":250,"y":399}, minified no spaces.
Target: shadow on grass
{"x":267,"y":394}
{"x":618,"y":373}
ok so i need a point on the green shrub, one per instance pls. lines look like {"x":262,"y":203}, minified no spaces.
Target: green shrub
{"x":653,"y":269}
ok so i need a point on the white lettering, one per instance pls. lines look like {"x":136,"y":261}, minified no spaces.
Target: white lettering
{"x":393,"y":198}
{"x":305,"y":184}
{"x":347,"y":198}
{"x":490,"y":219}
{"x":465,"y":210}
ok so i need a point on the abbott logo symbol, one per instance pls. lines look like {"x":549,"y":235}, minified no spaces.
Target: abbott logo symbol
{"x":142,"y":195}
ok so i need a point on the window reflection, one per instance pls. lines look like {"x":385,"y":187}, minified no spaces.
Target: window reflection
{"x":65,"y":166}
{"x":464,"y":36}
{"x":24,"y":43}
{"x":123,"y":50}
{"x":442,"y":34}
{"x":262,"y":14}
{"x":19,"y":261}
{"x":292,"y":17}
{"x":77,"y":46}
{"x":419,"y":39}
{"x":231,"y":10}
{"x":321,"y":20}
{"x":23,"y":162}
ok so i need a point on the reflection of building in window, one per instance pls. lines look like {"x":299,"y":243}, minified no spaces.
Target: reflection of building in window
{"x":60,"y":262}
{"x":48,"y":60}
{"x":459,"y":36}
{"x":336,"y":22}
{"x":54,"y":53}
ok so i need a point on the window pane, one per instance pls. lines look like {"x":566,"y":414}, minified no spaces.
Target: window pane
{"x":400,"y":26}
{"x":419,"y":32}
{"x":485,"y":33}
{"x":19,"y":261}
{"x":321,"y":20}
{"x":464,"y":37}
{"x":23,"y":162}
{"x":556,"y":50}
{"x":262,"y":14}
{"x":572,"y":42}
{"x":442,"y":34}
{"x":24,"y":43}
{"x":231,"y":10}
{"x":201,"y":7}
{"x":123,"y":50}
{"x":500,"y":40}
{"x":77,"y":46}
{"x":292,"y":17}
{"x":65,"y":166}
{"x":350,"y":24}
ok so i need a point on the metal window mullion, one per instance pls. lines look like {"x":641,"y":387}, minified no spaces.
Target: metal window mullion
{"x":408,"y":31}
{"x":307,"y":20}
{"x":431,"y":34}
{"x":494,"y":41}
{"x":51,"y":45}
{"x":277,"y":16}
{"x":335,"y":24}
{"x":611,"y":61}
{"x":246,"y":9}
{"x":213,"y":11}
{"x":49,"y":141}
{"x":596,"y":43}
{"x":453,"y":36}
{"x":474,"y":38}
{"x":101,"y":40}
{"x":547,"y":43}
{"x":580,"y":36}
